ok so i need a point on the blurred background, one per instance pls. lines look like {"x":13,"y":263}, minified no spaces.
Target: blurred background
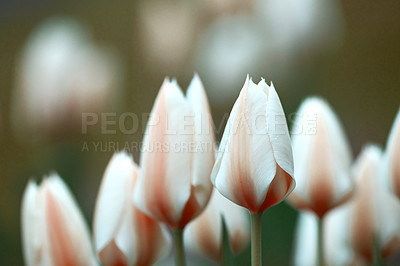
{"x":59,"y":59}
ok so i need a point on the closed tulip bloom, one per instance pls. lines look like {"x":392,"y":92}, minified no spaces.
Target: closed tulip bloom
{"x":123,"y":235}
{"x":204,"y":234}
{"x":322,"y":159}
{"x":178,"y":155}
{"x":53,"y":229}
{"x":393,"y":156}
{"x":254,"y":166}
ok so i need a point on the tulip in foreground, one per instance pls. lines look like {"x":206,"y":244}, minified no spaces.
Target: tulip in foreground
{"x":123,"y":235}
{"x":177,"y":158}
{"x":53,"y":229}
{"x":254,"y":166}
{"x":204,"y":234}
{"x":393,"y":156}
{"x":322,"y":161}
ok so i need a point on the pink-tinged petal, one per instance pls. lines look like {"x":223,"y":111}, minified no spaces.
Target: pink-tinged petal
{"x":278,"y":131}
{"x":31,"y":231}
{"x":111,"y":255}
{"x":166,"y":158}
{"x":322,"y":159}
{"x":393,"y":155}
{"x":128,"y":237}
{"x":203,"y":154}
{"x":113,"y":197}
{"x":204,"y":234}
{"x":113,"y":205}
{"x":363,"y":215}
{"x":246,"y":165}
{"x":152,"y":239}
{"x":68,"y":237}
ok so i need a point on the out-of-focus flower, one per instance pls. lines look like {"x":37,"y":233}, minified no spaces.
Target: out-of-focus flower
{"x":352,"y":230}
{"x":392,"y":157}
{"x":335,"y":231}
{"x":178,"y":155}
{"x":254,"y":166}
{"x":123,"y":235}
{"x":53,"y":229}
{"x":363,"y":214}
{"x":374,"y":211}
{"x":306,"y":240}
{"x":167,"y":31}
{"x":322,"y":159}
{"x":274,"y":37}
{"x":228,"y":50}
{"x":204,"y":234}
{"x":219,"y":8}
{"x":60,"y":75}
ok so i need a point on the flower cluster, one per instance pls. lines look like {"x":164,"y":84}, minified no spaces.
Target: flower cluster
{"x":201,"y":197}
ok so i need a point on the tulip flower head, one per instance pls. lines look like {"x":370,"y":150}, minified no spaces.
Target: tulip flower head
{"x":62,"y":73}
{"x":123,"y":235}
{"x":204,"y":234}
{"x":393,"y":156}
{"x":322,"y":159}
{"x":178,"y":155}
{"x":254,"y":166}
{"x":53,"y":229}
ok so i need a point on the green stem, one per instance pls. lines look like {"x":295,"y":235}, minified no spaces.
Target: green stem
{"x":321,"y":259}
{"x":256,"y":239}
{"x":179,"y":249}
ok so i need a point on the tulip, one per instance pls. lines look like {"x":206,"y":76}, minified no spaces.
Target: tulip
{"x":123,"y":235}
{"x":61,"y":74}
{"x":393,"y":156}
{"x":322,"y":159}
{"x":177,"y":157}
{"x":204,"y":234}
{"x":374,"y":210}
{"x":53,"y":229}
{"x":352,"y":230}
{"x":254,"y":166}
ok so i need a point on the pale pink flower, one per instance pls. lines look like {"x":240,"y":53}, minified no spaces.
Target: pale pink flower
{"x":123,"y":235}
{"x":322,"y":159}
{"x":54,"y":231}
{"x":178,"y":155}
{"x":254,"y":166}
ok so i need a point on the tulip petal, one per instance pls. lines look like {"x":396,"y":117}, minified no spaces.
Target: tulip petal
{"x":113,"y":205}
{"x":166,"y":159}
{"x":203,"y":154}
{"x":68,"y":234}
{"x":393,"y":155}
{"x":31,"y":238}
{"x":278,"y":131}
{"x":247,"y":165}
